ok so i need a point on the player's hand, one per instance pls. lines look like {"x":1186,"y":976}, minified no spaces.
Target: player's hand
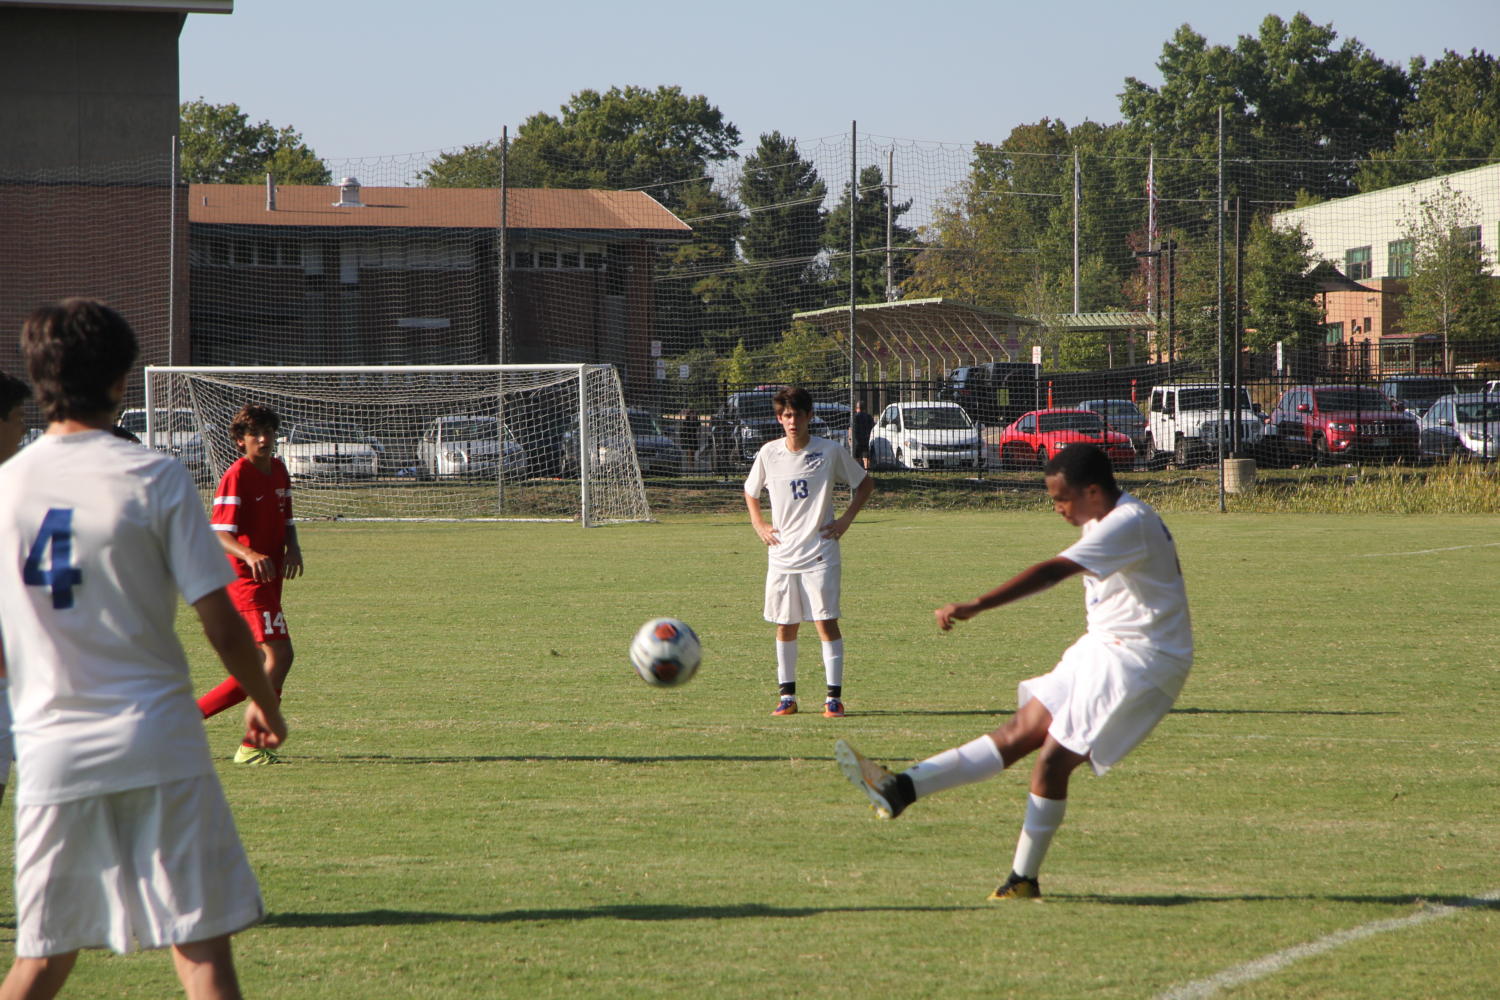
{"x":293,"y":563}
{"x":950,"y":613}
{"x":835,"y":529}
{"x":768,"y":534}
{"x":262,"y":728}
{"x":262,"y":567}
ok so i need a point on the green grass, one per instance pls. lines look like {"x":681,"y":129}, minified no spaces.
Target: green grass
{"x":483,"y":800}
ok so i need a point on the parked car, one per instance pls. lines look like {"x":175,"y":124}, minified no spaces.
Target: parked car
{"x":994,"y":393}
{"x":745,"y":422}
{"x":470,"y":445}
{"x":1186,"y":422}
{"x":1416,"y":393}
{"x":1121,"y":415}
{"x":657,"y":453}
{"x":928,"y":434}
{"x":1040,"y":434}
{"x":1463,"y":425}
{"x":1324,"y":423}
{"x":177,"y":433}
{"x":835,"y":416}
{"x":314,"y":449}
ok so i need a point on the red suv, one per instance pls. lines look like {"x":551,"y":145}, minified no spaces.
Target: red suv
{"x":1328,"y":423}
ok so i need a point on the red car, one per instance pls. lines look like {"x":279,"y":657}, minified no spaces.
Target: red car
{"x":1040,"y":434}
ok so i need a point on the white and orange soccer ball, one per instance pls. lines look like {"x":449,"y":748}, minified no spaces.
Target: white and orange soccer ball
{"x":665,"y":652}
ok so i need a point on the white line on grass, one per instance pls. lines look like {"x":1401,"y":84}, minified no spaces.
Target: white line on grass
{"x":1425,"y":552}
{"x":1271,"y":964}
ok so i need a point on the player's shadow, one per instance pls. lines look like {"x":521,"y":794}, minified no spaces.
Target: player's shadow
{"x":535,"y":758}
{"x":635,"y":911}
{"x":986,"y":712}
{"x":1195,"y":900}
{"x":1189,"y":710}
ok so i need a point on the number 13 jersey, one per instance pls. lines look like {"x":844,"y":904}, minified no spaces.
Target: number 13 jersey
{"x":801,"y":487}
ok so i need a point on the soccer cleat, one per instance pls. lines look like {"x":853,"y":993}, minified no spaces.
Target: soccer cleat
{"x":833,"y":709}
{"x":1017,"y":887}
{"x":256,"y":755}
{"x":884,"y":789}
{"x":786,"y":706}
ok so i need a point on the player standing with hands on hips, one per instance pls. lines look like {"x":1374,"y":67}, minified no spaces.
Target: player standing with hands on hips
{"x":1108,"y":691}
{"x":252,"y":519}
{"x":123,"y":836}
{"x":802,"y":539}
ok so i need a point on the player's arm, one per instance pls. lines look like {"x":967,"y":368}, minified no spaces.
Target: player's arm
{"x":857,"y":500}
{"x":292,"y":566}
{"x":758,"y":521}
{"x":231,"y":640}
{"x":1032,"y":580}
{"x":262,"y":567}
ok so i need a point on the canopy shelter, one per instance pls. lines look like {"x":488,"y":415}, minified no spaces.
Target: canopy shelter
{"x":915,"y":339}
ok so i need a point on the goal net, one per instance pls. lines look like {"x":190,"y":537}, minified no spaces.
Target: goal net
{"x":399,"y":442}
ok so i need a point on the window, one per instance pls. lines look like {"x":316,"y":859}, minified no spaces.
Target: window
{"x":569,"y":260}
{"x":546,"y":258}
{"x":522,"y":259}
{"x":1357,"y":263}
{"x":1333,"y":333}
{"x":1468,"y":236}
{"x":1398,"y":257}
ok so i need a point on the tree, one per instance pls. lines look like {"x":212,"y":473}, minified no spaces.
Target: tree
{"x":1279,"y":295}
{"x":624,"y":138}
{"x":219,"y":145}
{"x":1299,"y":113}
{"x":1453,"y":124}
{"x":698,"y":285}
{"x":782,"y":240}
{"x":1450,"y":291}
{"x":870,"y":240}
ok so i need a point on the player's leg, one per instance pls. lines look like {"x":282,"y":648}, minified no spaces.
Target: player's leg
{"x":820,"y":595}
{"x":1045,"y":808}
{"x":783,"y":608}
{"x":37,"y":978}
{"x":974,"y":761}
{"x":206,"y":969}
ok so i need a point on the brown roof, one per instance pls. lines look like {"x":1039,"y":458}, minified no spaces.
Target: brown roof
{"x":433,"y":208}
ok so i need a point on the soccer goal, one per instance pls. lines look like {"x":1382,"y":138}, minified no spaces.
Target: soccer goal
{"x":406,"y":442}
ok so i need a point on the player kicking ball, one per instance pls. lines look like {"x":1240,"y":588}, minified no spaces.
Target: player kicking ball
{"x":1108,"y":691}
{"x":252,"y":518}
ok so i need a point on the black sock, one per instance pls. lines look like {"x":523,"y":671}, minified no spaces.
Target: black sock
{"x":790,"y":689}
{"x":905,"y":788}
{"x":835,"y":690}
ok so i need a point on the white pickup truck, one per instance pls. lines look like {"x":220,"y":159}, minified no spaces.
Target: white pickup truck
{"x":1184,"y":424}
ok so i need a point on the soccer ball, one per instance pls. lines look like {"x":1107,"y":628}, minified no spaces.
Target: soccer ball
{"x":665,"y":652}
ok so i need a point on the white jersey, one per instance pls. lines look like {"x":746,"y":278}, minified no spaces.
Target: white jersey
{"x":98,"y":536}
{"x":1134,"y":592}
{"x":801,"y":486}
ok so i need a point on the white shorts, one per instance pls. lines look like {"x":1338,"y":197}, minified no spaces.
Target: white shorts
{"x":149,"y":867}
{"x":809,"y":596}
{"x":1100,"y":701}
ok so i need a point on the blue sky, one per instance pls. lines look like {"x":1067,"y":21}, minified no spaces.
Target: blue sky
{"x":386,"y":78}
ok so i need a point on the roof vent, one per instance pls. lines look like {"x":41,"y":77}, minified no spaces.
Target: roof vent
{"x":349,"y":194}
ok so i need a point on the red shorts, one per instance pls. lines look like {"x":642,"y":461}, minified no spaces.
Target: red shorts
{"x":259,"y":603}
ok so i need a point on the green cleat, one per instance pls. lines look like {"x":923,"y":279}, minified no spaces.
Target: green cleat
{"x":256,"y":755}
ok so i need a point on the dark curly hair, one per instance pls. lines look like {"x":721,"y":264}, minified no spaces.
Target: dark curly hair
{"x":253,"y":415}
{"x":76,"y":351}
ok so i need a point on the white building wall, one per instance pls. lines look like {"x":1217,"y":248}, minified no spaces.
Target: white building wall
{"x":1376,"y":219}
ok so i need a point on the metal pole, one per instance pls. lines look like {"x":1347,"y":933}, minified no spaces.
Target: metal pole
{"x":1219,"y":308}
{"x":1239,"y":320}
{"x":890,"y":223}
{"x":1076,"y":185}
{"x":502,"y":331}
{"x":171,"y":266}
{"x":853,"y":232}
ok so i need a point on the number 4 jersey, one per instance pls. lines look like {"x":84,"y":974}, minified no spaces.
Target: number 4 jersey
{"x":98,"y":536}
{"x":801,"y":487}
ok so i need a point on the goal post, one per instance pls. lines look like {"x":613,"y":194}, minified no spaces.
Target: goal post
{"x":415,"y":442}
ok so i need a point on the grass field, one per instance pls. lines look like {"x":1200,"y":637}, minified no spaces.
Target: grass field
{"x":482,"y":800}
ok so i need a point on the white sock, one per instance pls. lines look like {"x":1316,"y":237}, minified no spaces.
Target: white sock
{"x":974,"y":761}
{"x":786,"y":662}
{"x":833,"y":662}
{"x":1043,"y":817}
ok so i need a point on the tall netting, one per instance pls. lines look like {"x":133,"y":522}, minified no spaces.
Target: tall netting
{"x":408,"y":442}
{"x":104,"y":231}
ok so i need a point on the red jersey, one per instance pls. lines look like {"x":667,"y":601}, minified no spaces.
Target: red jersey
{"x":256,"y":508}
